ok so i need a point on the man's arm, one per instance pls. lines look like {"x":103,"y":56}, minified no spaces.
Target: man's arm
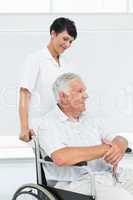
{"x":116,"y":152}
{"x":25,"y":133}
{"x":72,"y":155}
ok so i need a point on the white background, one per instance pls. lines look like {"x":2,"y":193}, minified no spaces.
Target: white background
{"x":35,"y":6}
{"x":103,"y":50}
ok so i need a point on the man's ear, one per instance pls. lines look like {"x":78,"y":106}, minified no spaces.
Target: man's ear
{"x":63,"y":98}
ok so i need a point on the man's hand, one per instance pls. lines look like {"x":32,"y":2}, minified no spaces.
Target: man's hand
{"x":26,"y":135}
{"x":114,"y":154}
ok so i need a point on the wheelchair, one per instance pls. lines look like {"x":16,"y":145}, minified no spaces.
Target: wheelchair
{"x":41,"y":190}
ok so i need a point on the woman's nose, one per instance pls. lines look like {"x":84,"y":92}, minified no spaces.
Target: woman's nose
{"x":68,"y":44}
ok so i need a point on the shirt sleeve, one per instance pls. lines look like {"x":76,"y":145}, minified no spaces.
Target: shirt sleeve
{"x":30,"y":71}
{"x":50,"y":138}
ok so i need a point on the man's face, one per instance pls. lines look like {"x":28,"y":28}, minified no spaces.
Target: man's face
{"x":61,"y":41}
{"x":77,"y":95}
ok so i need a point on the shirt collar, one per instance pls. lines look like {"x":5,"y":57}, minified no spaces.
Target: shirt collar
{"x":63,"y":117}
{"x":49,"y":56}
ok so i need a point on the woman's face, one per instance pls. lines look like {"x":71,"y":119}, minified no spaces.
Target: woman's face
{"x":61,"y":41}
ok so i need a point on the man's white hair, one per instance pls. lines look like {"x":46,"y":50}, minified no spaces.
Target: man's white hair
{"x":62,"y":83}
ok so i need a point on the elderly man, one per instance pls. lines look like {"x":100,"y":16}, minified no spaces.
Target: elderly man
{"x":69,"y":135}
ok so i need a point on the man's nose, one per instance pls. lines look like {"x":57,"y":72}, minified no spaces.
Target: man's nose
{"x":85,"y":95}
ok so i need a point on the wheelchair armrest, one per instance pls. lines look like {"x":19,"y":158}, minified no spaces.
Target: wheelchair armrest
{"x":80,"y":164}
{"x":47,"y":158}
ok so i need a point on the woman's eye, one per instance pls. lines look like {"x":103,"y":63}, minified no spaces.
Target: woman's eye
{"x":65,"y":39}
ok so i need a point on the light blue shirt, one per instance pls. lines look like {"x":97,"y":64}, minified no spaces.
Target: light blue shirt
{"x":58,"y":131}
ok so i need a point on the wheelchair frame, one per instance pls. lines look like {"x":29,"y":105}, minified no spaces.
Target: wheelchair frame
{"x":42,"y":188}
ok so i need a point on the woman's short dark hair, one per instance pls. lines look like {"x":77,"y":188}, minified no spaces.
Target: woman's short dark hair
{"x":61,"y":24}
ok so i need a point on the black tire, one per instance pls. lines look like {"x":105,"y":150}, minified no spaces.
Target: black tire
{"x":33,"y":192}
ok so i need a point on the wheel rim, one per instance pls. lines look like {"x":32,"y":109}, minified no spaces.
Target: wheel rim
{"x":33,"y":192}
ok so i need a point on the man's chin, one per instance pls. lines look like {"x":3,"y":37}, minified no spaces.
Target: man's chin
{"x":83,"y":109}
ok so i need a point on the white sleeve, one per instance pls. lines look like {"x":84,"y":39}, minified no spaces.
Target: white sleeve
{"x":30,"y":71}
{"x":50,"y":138}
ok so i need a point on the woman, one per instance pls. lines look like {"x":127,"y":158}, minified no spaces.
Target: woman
{"x":40,"y":71}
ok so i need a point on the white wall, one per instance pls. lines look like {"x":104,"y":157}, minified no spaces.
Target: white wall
{"x":103,"y":48}
{"x":17,"y":165}
{"x":63,"y":6}
{"x":13,"y":174}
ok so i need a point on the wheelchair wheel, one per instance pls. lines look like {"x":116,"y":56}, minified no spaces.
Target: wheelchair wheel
{"x":33,"y":192}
